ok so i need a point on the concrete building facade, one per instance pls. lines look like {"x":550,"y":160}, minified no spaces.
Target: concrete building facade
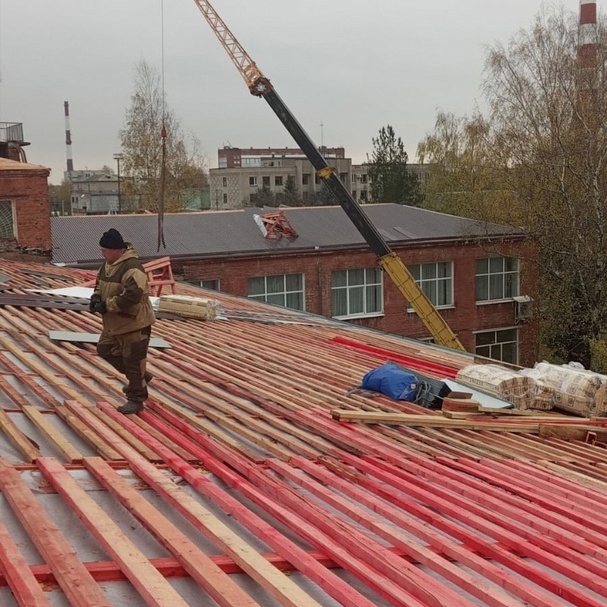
{"x":257,"y":176}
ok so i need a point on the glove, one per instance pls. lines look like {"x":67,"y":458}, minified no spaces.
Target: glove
{"x":95,"y":298}
{"x":96,"y":304}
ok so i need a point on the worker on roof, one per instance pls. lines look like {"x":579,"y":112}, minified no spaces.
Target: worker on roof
{"x":122,"y":297}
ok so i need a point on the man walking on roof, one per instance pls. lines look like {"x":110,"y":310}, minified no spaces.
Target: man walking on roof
{"x":122,"y":297}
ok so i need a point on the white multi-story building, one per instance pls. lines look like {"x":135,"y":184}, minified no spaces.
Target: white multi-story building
{"x":256,"y":176}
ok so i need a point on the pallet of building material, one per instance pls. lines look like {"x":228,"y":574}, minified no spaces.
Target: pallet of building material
{"x":190,"y":307}
{"x":576,"y":391}
{"x":523,"y":391}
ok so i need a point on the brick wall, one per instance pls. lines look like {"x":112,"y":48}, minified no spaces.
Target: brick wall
{"x":464,"y":318}
{"x":28,"y":188}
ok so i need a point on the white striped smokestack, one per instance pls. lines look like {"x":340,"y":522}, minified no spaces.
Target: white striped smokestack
{"x":588,"y":34}
{"x":68,"y":138}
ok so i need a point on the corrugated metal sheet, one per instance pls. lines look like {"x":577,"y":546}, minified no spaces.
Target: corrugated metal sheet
{"x":236,"y":487}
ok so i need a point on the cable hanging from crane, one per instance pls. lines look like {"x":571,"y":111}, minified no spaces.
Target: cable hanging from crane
{"x":163,"y":137}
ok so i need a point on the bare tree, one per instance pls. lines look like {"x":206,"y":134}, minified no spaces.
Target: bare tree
{"x":141,"y":139}
{"x":541,"y":151}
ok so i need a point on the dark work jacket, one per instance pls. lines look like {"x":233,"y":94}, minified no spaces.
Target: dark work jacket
{"x":123,"y":286}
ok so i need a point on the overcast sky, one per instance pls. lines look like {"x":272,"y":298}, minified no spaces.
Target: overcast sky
{"x":351,"y":65}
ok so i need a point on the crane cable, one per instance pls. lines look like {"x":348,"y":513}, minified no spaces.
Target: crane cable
{"x":163,"y":136}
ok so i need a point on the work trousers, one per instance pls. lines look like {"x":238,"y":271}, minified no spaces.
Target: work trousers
{"x":127,"y":353}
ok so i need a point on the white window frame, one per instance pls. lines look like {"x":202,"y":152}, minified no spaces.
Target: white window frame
{"x":352,"y":286}
{"x":498,"y":279}
{"x":212,"y":284}
{"x":430,"y":285}
{"x":269,"y":293}
{"x":252,"y":181}
{"x":8,"y":202}
{"x":495,"y":348}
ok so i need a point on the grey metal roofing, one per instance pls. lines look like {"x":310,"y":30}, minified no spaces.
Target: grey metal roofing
{"x":217,"y":233}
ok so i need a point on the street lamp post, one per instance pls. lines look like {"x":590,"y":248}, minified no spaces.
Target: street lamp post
{"x":118,"y":158}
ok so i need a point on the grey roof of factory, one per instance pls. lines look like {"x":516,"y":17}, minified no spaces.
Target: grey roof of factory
{"x":221,"y":233}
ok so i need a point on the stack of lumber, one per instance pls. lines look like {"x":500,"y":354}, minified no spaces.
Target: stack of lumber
{"x":460,"y":402}
{"x":190,"y":307}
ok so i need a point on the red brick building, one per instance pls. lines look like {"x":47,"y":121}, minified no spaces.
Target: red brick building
{"x":481,"y":277}
{"x":24,"y":207}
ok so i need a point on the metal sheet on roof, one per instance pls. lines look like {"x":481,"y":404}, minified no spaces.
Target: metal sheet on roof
{"x":93,"y":338}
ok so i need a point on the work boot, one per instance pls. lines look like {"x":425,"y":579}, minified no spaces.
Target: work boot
{"x":148,"y":378}
{"x":131,"y":407}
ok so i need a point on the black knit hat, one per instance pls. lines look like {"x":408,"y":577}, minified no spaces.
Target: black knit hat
{"x":112,"y":239}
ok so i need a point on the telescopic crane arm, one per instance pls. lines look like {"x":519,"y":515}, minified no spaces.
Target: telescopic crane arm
{"x":260,"y":86}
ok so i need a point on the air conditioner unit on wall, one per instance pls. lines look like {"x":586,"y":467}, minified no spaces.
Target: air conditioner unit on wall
{"x":523,"y":310}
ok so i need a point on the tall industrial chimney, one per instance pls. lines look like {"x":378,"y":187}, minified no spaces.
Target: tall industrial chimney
{"x":587,"y":54}
{"x":68,"y":138}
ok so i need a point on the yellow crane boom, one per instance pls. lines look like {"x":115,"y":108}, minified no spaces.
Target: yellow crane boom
{"x":392,"y":264}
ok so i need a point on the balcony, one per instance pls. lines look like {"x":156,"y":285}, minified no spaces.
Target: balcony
{"x":12,"y":132}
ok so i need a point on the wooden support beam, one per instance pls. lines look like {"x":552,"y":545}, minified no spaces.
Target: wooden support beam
{"x":431,"y":421}
{"x":45,"y":426}
{"x":76,"y":582}
{"x":18,"y":575}
{"x":144,"y":577}
{"x":22,"y":442}
{"x":85,"y":432}
{"x":300,"y":559}
{"x":202,"y":568}
{"x":327,"y":484}
{"x":275,"y":583}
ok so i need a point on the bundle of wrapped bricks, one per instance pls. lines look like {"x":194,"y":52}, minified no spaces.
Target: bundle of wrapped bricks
{"x":576,"y":391}
{"x":190,"y":307}
{"x":523,"y":391}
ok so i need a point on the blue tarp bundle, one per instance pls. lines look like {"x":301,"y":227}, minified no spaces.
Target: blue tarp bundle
{"x":391,"y":380}
{"x":401,"y":383}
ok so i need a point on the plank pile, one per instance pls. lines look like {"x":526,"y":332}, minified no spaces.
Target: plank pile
{"x":189,"y":307}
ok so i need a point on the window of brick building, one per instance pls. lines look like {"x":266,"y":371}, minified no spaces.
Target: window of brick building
{"x":497,"y":278}
{"x":286,"y":290}
{"x":212,"y":284}
{"x":357,"y":293}
{"x":501,"y":344}
{"x":436,"y":281}
{"x":7,"y":220}
{"x":278,"y":180}
{"x":253,"y":181}
{"x":224,"y":182}
{"x":265,"y":181}
{"x":305,"y":179}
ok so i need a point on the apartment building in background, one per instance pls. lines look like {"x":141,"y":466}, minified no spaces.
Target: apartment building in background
{"x":256,"y":176}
